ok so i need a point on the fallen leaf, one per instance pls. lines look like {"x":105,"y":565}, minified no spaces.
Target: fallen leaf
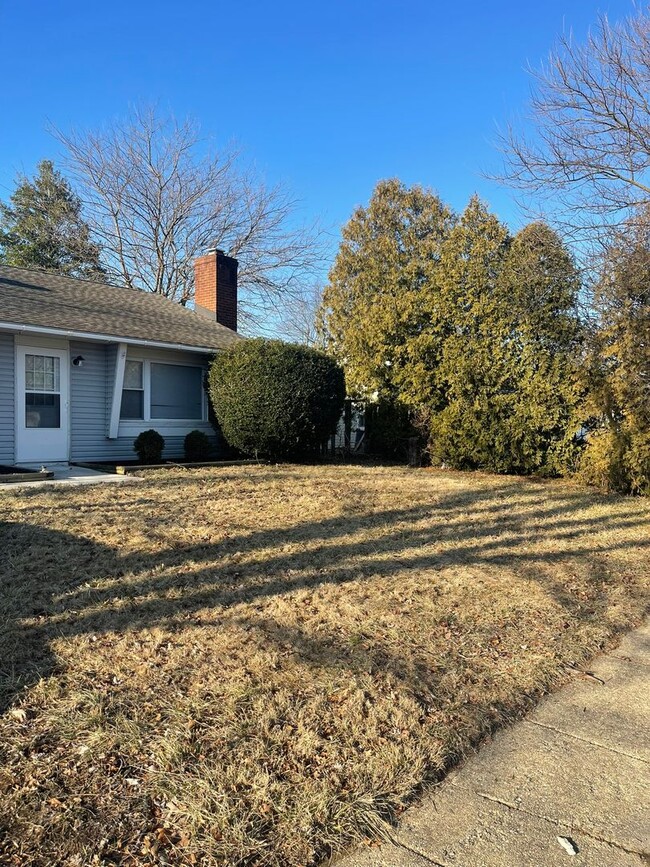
{"x":19,"y":714}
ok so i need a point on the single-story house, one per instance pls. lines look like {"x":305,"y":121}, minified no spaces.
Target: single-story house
{"x":85,"y":367}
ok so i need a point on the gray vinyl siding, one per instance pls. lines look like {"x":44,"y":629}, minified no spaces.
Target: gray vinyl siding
{"x":111,"y":359}
{"x":7,"y":398}
{"x":88,"y":419}
{"x":91,"y":395}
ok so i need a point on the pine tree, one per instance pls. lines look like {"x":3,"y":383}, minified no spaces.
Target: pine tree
{"x":42,"y":227}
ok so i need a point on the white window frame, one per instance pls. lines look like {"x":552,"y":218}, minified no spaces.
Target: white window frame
{"x":146,"y":382}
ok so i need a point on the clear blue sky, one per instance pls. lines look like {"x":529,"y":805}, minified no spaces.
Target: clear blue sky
{"x":328,"y":97}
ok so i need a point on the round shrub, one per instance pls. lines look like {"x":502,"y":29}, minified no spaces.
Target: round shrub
{"x":197,"y":446}
{"x":617,"y":460}
{"x":149,"y":446}
{"x":276,"y":399}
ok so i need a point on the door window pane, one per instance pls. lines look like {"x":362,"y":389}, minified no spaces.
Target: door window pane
{"x":42,"y":386}
{"x":42,"y":373}
{"x":42,"y":410}
{"x":176,"y":391}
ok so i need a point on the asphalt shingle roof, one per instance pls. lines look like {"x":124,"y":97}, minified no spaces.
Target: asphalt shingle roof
{"x":49,"y":300}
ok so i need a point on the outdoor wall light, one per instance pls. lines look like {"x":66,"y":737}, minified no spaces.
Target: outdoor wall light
{"x":78,"y":361}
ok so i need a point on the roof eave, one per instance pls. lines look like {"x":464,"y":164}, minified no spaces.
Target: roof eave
{"x":105,"y":338}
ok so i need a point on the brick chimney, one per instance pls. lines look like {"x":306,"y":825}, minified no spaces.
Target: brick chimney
{"x":215,"y":287}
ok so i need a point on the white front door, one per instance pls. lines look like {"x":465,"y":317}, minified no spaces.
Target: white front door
{"x":42,"y":405}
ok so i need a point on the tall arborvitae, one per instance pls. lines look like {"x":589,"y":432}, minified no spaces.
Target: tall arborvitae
{"x":508,"y":374}
{"x":374,"y":306}
{"x":474,"y":378}
{"x":618,"y":445}
{"x":539,"y":287}
{"x":42,"y":227}
{"x":470,"y":330}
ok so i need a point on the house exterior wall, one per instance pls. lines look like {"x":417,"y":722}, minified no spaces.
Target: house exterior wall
{"x":91,"y":391}
{"x":91,"y":394}
{"x":7,"y":398}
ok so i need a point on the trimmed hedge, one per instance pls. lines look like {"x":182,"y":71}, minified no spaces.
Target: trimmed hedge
{"x":276,"y":399}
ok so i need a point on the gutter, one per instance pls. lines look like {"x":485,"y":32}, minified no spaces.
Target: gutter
{"x":105,"y":338}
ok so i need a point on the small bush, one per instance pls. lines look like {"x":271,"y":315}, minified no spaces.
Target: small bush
{"x":637,"y":461}
{"x":601,"y":464}
{"x":197,"y":446}
{"x":276,"y":399}
{"x":617,"y":460}
{"x":149,"y":446}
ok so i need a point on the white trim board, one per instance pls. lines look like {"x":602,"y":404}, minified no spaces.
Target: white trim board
{"x":103,"y":338}
{"x":118,"y":383}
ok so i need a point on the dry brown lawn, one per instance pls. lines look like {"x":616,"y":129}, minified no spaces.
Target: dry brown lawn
{"x":258,"y":665}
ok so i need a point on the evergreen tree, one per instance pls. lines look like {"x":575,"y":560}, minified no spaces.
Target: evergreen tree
{"x":42,"y":227}
{"x":276,"y":399}
{"x":618,"y":447}
{"x":470,"y":330}
{"x":473,"y":380}
{"x":374,"y":308}
{"x":507,"y":376}
{"x":540,"y":285}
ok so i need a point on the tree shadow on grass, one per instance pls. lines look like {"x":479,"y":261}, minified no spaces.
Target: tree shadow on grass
{"x":55,"y":584}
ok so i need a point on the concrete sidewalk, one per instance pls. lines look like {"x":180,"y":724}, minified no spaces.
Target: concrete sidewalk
{"x":67,"y":475}
{"x":577,"y":768}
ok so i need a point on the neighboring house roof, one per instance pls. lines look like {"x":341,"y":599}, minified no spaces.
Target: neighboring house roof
{"x":47,"y":300}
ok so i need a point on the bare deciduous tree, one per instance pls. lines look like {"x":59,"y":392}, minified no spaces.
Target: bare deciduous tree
{"x":588,"y":155}
{"x":298,"y":320}
{"x":155,"y":202}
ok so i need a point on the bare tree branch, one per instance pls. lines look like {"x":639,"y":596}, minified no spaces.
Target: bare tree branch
{"x":298,"y":320}
{"x":155,"y":202}
{"x":588,"y":156}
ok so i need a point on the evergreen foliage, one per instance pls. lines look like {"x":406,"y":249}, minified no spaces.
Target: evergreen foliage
{"x":197,"y":446}
{"x":276,"y":399}
{"x":149,"y":445}
{"x":617,"y":455}
{"x":372,"y":316}
{"x":471,"y":330}
{"x":471,"y":384}
{"x":42,"y":227}
{"x":508,"y":369}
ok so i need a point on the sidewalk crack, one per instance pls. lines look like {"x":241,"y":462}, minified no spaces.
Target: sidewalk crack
{"x":630,"y":660}
{"x":586,"y":740}
{"x":400,"y":844}
{"x":419,"y":854}
{"x":575,"y":828}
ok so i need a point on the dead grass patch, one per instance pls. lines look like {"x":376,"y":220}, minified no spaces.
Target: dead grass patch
{"x":257,"y":666}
